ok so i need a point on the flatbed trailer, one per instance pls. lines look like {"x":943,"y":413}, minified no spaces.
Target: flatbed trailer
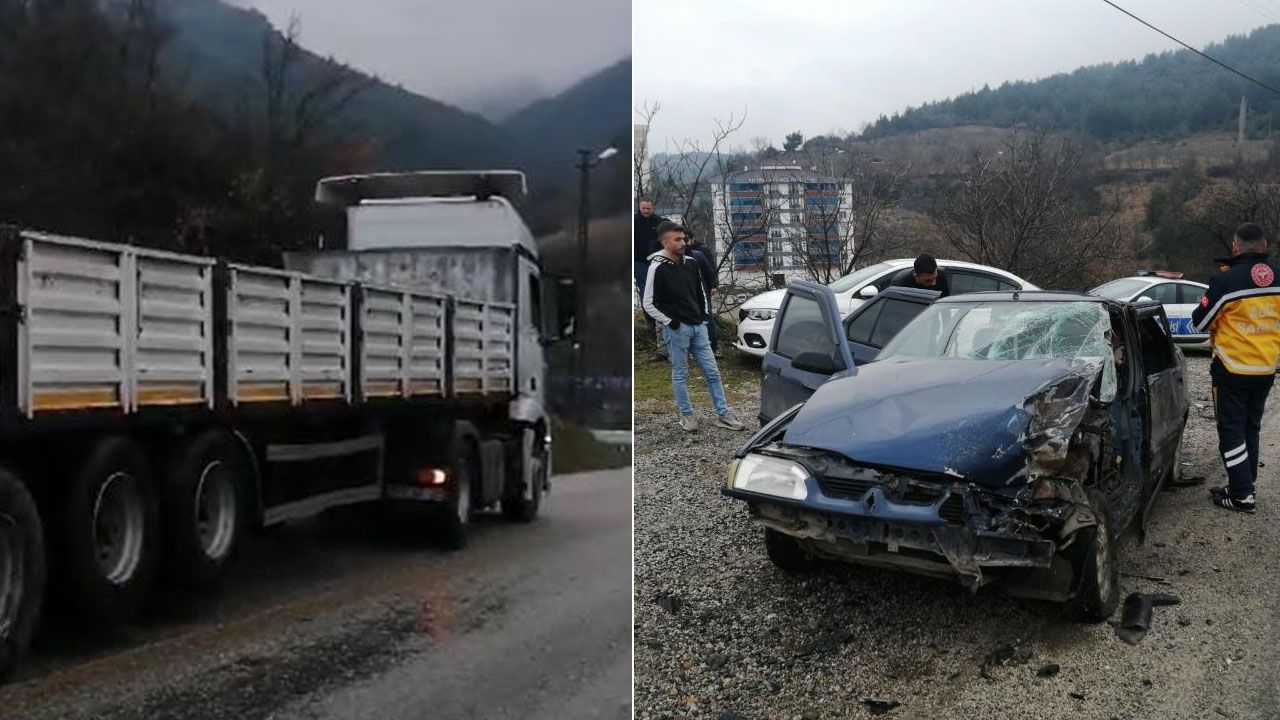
{"x":155,"y":405}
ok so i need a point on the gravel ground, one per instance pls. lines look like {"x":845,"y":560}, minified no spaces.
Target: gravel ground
{"x":721,"y":633}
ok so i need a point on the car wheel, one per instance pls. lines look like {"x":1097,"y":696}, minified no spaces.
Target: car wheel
{"x":1093,"y":556}
{"x":785,"y":552}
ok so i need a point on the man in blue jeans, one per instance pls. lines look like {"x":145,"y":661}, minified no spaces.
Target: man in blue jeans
{"x":675,"y":297}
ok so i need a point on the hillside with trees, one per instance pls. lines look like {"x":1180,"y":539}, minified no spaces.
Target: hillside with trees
{"x":196,"y":126}
{"x":1165,"y":95}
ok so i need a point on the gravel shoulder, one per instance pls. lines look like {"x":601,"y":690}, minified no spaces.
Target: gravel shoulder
{"x":721,"y":633}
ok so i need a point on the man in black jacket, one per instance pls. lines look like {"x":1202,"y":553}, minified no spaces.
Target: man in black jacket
{"x":924,"y":275}
{"x":644,"y":237}
{"x":1241,"y":313}
{"x":710,"y":282}
{"x":674,"y":296}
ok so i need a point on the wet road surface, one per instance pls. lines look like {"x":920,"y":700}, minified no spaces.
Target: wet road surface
{"x":351,"y":617}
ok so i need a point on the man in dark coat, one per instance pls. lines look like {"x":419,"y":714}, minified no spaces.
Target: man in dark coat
{"x":710,"y":282}
{"x":645,"y":241}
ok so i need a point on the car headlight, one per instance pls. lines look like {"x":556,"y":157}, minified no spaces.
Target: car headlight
{"x":761,"y":314}
{"x":769,"y":476}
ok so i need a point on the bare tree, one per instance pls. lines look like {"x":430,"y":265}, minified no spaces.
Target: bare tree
{"x":1021,"y":210}
{"x":1252,"y":195}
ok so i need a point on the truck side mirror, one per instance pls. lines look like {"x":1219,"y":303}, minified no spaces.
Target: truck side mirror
{"x":562,"y":309}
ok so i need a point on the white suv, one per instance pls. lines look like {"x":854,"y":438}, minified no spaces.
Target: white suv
{"x":755,"y":317}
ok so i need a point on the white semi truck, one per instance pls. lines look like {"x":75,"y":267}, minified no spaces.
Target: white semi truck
{"x":154,"y":406}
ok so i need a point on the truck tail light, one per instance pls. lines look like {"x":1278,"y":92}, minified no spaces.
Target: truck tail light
{"x":431,"y":477}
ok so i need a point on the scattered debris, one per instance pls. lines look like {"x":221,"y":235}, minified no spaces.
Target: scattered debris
{"x":1135,"y":619}
{"x":1011,"y":653}
{"x":772,"y":686}
{"x":666,"y":601}
{"x":1152,"y":578}
{"x":730,"y":715}
{"x":1184,"y":621}
{"x":1048,"y":671}
{"x":826,"y":643}
{"x":716,"y":661}
{"x":1187,"y":481}
{"x":1078,"y":695}
{"x":877,"y":706}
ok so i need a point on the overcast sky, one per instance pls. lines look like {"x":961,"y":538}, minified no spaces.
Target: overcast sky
{"x":465,"y":52}
{"x":819,"y":65}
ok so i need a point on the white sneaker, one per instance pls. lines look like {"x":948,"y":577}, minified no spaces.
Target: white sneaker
{"x":729,"y":423}
{"x":687,"y":422}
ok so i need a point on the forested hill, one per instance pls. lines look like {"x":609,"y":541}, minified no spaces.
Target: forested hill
{"x":1164,"y":95}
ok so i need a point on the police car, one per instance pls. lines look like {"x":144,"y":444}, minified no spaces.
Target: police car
{"x":1179,"y":297}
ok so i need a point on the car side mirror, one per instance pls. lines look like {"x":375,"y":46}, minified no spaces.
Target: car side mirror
{"x":561,"y":308}
{"x":868,"y":291}
{"x":1144,"y":298}
{"x":816,"y":362}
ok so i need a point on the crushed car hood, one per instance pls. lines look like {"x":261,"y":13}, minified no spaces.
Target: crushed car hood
{"x":972,"y":419}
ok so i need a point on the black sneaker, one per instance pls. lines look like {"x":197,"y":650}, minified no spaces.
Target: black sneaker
{"x":1222,"y":498}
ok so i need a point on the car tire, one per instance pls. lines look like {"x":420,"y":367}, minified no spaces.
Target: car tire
{"x":22,"y":571}
{"x":1097,"y":572}
{"x":785,"y":552}
{"x":205,"y":507}
{"x":110,"y":533}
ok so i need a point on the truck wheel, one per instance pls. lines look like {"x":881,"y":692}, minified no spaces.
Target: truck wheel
{"x":455,"y":520}
{"x":524,"y":496}
{"x":786,"y":553}
{"x":1093,"y":556}
{"x":110,"y":533}
{"x":22,"y":571}
{"x":204,"y":502}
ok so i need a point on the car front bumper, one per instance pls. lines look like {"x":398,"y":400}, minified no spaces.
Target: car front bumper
{"x":754,"y":335}
{"x":921,"y":539}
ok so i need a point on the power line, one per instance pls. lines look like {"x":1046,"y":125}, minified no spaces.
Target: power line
{"x":1258,"y":7}
{"x":1204,"y":55}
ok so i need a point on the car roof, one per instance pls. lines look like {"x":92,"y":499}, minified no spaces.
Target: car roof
{"x":902,"y":263}
{"x":1025,"y":296}
{"x":1155,"y":280}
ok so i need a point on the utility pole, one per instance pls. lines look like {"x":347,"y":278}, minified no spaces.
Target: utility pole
{"x":585,"y":162}
{"x":1244,"y":109}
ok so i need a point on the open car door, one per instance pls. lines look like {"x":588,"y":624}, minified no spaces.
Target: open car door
{"x":877,"y":321}
{"x":1166,"y":397}
{"x":807,"y":349}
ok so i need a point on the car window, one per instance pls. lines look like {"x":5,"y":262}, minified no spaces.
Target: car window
{"x":1122,"y":289}
{"x":1157,"y":354}
{"x":804,"y":329}
{"x":1164,"y":293}
{"x":858,"y":277}
{"x":1005,"y":285}
{"x":862,"y":325}
{"x":895,"y":316}
{"x":1189,"y":294}
{"x":966,"y":281}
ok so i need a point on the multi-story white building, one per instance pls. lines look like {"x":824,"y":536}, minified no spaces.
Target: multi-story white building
{"x":778,"y":219}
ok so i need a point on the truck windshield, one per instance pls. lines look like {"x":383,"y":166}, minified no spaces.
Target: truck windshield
{"x":1005,"y":331}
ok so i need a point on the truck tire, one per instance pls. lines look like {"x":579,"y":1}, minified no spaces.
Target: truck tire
{"x":523,"y":498}
{"x":786,"y":553}
{"x":204,"y":502}
{"x":1093,"y":557}
{"x":110,"y":533}
{"x":464,"y":469}
{"x":22,"y":571}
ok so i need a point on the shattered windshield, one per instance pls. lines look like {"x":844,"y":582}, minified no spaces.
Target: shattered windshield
{"x":1007,"y":331}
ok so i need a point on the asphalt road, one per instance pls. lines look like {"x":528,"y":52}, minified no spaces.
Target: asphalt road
{"x":353,"y":617}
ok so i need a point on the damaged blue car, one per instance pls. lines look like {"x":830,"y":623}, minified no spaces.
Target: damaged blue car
{"x":997,"y":437}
